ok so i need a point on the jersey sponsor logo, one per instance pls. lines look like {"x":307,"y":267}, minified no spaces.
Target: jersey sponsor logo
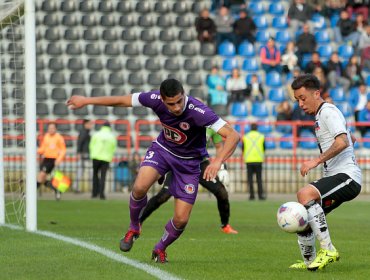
{"x":155,"y":96}
{"x":189,"y":188}
{"x":192,"y":107}
{"x":174,"y":135}
{"x":184,"y":126}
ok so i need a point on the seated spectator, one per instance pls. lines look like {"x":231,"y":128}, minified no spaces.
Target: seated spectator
{"x":360,"y":23}
{"x":346,"y":30}
{"x":361,"y":102}
{"x":318,"y":6}
{"x":215,"y":80}
{"x":336,"y":74}
{"x":300,"y":115}
{"x":364,"y":116}
{"x":299,"y":13}
{"x":306,"y":43}
{"x":244,"y":28}
{"x":289,"y":60}
{"x":224,"y":23}
{"x":270,"y":57}
{"x":320,"y":74}
{"x":205,"y":27}
{"x":296,"y":72}
{"x":364,"y":47}
{"x":353,"y":71}
{"x":315,"y":62}
{"x":236,"y":86}
{"x":216,"y":88}
{"x":358,"y":7}
{"x":284,"y":113}
{"x":255,"y":89}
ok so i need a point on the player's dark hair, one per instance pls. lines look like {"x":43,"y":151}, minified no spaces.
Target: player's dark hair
{"x":170,"y":88}
{"x":307,"y":81}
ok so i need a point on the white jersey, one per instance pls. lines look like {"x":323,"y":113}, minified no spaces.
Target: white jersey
{"x":329,"y":123}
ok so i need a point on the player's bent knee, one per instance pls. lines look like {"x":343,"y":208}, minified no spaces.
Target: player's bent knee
{"x":180,"y":223}
{"x":307,"y":194}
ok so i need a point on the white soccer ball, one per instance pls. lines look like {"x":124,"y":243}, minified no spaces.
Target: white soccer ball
{"x":292,"y":217}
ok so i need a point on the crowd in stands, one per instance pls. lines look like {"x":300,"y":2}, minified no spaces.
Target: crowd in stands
{"x":330,"y":39}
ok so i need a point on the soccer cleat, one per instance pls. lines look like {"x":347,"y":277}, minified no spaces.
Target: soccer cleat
{"x":57,"y":195}
{"x":127,"y":242}
{"x":323,"y":258}
{"x":159,"y":256}
{"x":228,"y":230}
{"x":299,"y":265}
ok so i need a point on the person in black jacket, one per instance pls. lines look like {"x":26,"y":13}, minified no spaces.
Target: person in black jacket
{"x":345,"y":30}
{"x":244,"y":28}
{"x":336,"y":75}
{"x":206,"y":27}
{"x":306,"y":43}
{"x":83,"y":154}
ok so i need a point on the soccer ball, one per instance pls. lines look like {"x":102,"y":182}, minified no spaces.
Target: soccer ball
{"x":292,"y":217}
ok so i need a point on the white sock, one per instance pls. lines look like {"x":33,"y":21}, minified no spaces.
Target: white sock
{"x":306,"y":243}
{"x":317,"y":222}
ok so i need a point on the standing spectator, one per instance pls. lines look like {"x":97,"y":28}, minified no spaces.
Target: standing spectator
{"x":345,"y":30}
{"x":236,"y":86}
{"x":205,"y":27}
{"x":289,"y":60}
{"x":255,"y":89}
{"x":284,"y":113}
{"x":336,"y":74}
{"x":52,"y":150}
{"x":299,"y":13}
{"x":314,"y":63}
{"x":224,"y":22}
{"x":254,"y":156}
{"x":216,"y":88}
{"x":306,"y":43}
{"x":270,"y":57}
{"x":244,"y":29}
{"x":83,"y":153}
{"x":353,"y":71}
{"x":361,"y":105}
{"x":102,"y":146}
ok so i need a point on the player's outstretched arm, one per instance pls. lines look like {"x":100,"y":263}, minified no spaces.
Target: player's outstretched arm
{"x":78,"y":101}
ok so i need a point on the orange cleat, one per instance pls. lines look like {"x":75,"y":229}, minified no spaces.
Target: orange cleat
{"x":228,"y":230}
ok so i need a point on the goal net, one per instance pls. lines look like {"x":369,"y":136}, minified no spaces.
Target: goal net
{"x":12,"y":150}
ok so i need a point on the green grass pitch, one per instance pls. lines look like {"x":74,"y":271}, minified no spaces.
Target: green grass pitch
{"x":260,"y":250}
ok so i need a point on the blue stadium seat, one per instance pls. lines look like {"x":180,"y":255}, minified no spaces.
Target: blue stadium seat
{"x":337,"y":94}
{"x":346,"y":109}
{"x":260,"y":22}
{"x":241,"y":127}
{"x":250,"y":65}
{"x":270,"y":143}
{"x":280,"y":23}
{"x":239,"y":109}
{"x":283,"y":37}
{"x":366,"y":139}
{"x":264,"y":128}
{"x":256,"y":8}
{"x":308,"y":141}
{"x":368,"y":81}
{"x":229,"y":64}
{"x":325,"y":51}
{"x":226,"y":49}
{"x":353,"y":97}
{"x":319,"y":22}
{"x":276,"y":8}
{"x":262,"y":36}
{"x":246,"y":49}
{"x":345,"y":51}
{"x":322,"y":37}
{"x":305,"y":60}
{"x":334,"y":19}
{"x":273,"y":79}
{"x":286,"y":141}
{"x":276,"y":94}
{"x":248,"y":78}
{"x":260,"y":110}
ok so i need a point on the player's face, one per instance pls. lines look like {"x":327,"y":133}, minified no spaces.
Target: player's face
{"x":175,"y":104}
{"x":309,"y":100}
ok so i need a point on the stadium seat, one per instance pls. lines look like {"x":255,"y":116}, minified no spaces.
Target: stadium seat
{"x":49,"y":6}
{"x":241,"y":127}
{"x":229,"y":63}
{"x":165,"y":21}
{"x":95,"y":92}
{"x":89,"y":20}
{"x":19,"y":109}
{"x":276,"y":95}
{"x":59,"y":94}
{"x":51,"y":19}
{"x":270,"y":143}
{"x":131,"y":50}
{"x":117,"y":92}
{"x":198,"y":93}
{"x":147,"y":35}
{"x":220,"y":110}
{"x":190,"y":49}
{"x":57,"y":78}
{"x":172,"y":64}
{"x":60,"y":109}
{"x":83,"y":112}
{"x":345,"y":51}
{"x":181,"y":7}
{"x":92,"y":49}
{"x":368,"y":81}
{"x":207,"y":49}
{"x":41,"y":94}
{"x":120,"y":112}
{"x":79,"y":91}
{"x":167,"y":35}
{"x":42,"y":109}
{"x":77,"y":78}
{"x":91,"y":34}
{"x":97,"y":79}
{"x":325,"y":51}
{"x":262,"y":36}
{"x":106,"y":7}
{"x":353,"y":97}
{"x":286,"y":141}
{"x":75,"y":64}
{"x":70,"y":20}
{"x":337,"y":94}
{"x":73,"y":49}
{"x":146,"y":21}
{"x":136,"y":79}
{"x":191,"y":64}
{"x":87,"y":6}
{"x":346,"y":109}
{"x":256,"y":8}
{"x":140,"y":111}
{"x":100,"y":110}
{"x":226,"y":49}
{"x":155,"y":79}
{"x":283,"y":37}
{"x":52,"y":34}
{"x":110,"y":35}
{"x":322,"y":37}
{"x":62,"y":126}
{"x":184,"y":21}
{"x":250,"y":65}
{"x":259,"y":110}
{"x":56,"y":64}
{"x":276,"y":9}
{"x":366,"y":140}
{"x":116,"y":79}
{"x":162,"y":7}
{"x":264,"y":128}
{"x":143,"y":7}
{"x":127,"y":20}
{"x":273,"y":79}
{"x":133,"y":64}
{"x":170,"y":49}
{"x":194,"y":79}
{"x":187,"y":35}
{"x":319,"y":22}
{"x":246,"y":49}
{"x":280,"y":22}
{"x":260,"y":22}
{"x":308,"y":141}
{"x":69,"y":6}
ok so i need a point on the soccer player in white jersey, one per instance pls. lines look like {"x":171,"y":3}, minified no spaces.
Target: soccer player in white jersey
{"x":342,"y":176}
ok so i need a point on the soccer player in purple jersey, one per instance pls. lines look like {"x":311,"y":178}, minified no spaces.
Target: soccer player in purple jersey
{"x":180,"y":148}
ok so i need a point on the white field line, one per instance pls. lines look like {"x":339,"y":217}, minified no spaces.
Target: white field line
{"x":156,"y":272}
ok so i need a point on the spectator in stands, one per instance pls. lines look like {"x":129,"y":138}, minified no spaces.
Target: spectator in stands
{"x":289,"y":59}
{"x":333,"y":7}
{"x":205,"y":27}
{"x":255,"y":89}
{"x":52,"y":151}
{"x":353,"y":71}
{"x":299,"y":115}
{"x":244,"y":28}
{"x":360,"y":24}
{"x":318,"y":6}
{"x":284,"y":113}
{"x":236,"y":86}
{"x":296,"y":72}
{"x":83,"y":153}
{"x":216,"y":88}
{"x":336,"y":74}
{"x":358,"y":7}
{"x":364,"y":47}
{"x":364,"y":116}
{"x":224,"y":22}
{"x":270,"y":57}
{"x":345,"y":30}
{"x":306,"y":43}
{"x":361,"y":101}
{"x":299,"y":13}
{"x":236,"y":6}
{"x":320,"y":74}
{"x":315,"y":62}
{"x":102,"y":146}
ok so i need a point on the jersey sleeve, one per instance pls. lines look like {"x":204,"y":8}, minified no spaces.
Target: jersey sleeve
{"x":333,"y":121}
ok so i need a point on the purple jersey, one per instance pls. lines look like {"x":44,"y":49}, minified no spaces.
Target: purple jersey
{"x":184,"y":135}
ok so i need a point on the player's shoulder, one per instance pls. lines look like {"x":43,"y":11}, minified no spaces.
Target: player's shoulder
{"x":196,"y":106}
{"x":327,"y":109}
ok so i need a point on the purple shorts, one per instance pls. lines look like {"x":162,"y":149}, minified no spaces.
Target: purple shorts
{"x":185,"y":172}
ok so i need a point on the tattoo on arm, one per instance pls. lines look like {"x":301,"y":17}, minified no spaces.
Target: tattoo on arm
{"x":340,"y":143}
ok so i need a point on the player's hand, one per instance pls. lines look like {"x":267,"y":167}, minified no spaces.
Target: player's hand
{"x":76,"y":101}
{"x":211,"y":170}
{"x":308,"y":165}
{"x":223,"y":175}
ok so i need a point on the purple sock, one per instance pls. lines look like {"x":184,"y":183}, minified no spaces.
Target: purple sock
{"x":171,"y":233}
{"x":135,"y":208}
